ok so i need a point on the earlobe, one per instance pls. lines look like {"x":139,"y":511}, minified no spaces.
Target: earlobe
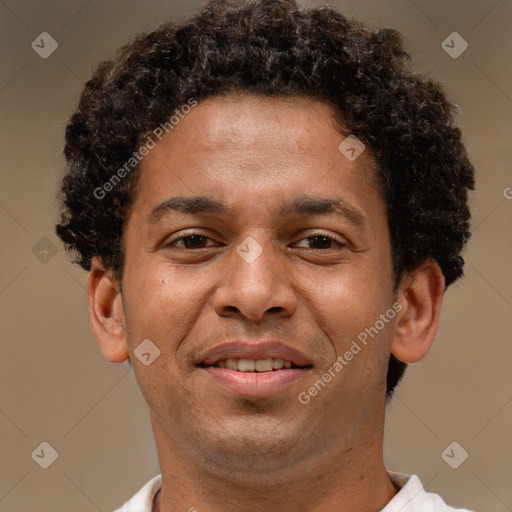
{"x":106,"y":313}
{"x":421,"y":296}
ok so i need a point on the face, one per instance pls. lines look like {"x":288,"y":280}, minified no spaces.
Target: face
{"x":259,"y":269}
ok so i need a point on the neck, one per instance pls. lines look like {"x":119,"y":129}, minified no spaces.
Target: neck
{"x":341,"y":479}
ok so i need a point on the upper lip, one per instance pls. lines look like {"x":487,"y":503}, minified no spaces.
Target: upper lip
{"x":254,"y":350}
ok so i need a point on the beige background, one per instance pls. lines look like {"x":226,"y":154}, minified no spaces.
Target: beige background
{"x":57,"y":388}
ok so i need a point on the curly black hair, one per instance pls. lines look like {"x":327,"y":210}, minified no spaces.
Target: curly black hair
{"x":273,"y":48}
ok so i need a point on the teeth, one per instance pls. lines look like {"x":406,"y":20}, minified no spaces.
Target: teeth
{"x":245,"y":365}
{"x":248,"y":365}
{"x":232,"y":364}
{"x":263,"y":365}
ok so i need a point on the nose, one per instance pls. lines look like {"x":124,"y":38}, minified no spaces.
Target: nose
{"x":253,"y":287}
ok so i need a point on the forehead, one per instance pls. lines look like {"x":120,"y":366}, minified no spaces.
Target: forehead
{"x":237,"y":118}
{"x":242,"y":146}
{"x":303,"y":125}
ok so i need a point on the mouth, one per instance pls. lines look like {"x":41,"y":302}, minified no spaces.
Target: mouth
{"x":255,"y":365}
{"x":250,"y":369}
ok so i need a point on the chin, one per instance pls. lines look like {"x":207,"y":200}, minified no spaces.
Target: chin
{"x":246,"y":451}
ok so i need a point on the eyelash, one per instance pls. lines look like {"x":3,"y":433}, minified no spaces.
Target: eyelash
{"x":319,"y":233}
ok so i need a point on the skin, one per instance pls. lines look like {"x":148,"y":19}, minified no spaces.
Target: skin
{"x":218,"y":451}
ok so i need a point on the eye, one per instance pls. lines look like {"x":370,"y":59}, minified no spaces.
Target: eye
{"x":196,"y":240}
{"x":322,"y":241}
{"x":190,"y":241}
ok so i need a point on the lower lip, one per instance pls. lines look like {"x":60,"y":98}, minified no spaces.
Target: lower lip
{"x":255,"y":384}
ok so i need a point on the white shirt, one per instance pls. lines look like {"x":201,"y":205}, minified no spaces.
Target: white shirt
{"x":411,"y":497}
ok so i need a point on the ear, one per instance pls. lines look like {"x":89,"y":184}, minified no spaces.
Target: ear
{"x":421,"y":295}
{"x":106,"y":313}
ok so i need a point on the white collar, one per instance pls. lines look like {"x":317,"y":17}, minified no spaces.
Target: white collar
{"x":410,"y":498}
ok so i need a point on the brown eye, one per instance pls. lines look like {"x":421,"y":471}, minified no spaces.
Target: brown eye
{"x":193,"y":241}
{"x":321,"y":242}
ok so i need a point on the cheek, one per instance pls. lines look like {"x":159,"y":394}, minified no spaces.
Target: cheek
{"x":348,"y":299}
{"x":162,"y":302}
{"x":161,"y":306}
{"x":351,"y":305}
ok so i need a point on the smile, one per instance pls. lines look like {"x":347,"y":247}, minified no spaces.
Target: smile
{"x":255,"y":365}
{"x":253,"y":368}
{"x":254,"y":378}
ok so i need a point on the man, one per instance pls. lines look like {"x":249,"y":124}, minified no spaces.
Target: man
{"x":270,"y":205}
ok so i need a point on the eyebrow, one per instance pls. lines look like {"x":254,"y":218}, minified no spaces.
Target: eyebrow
{"x":310,"y":205}
{"x":300,"y":205}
